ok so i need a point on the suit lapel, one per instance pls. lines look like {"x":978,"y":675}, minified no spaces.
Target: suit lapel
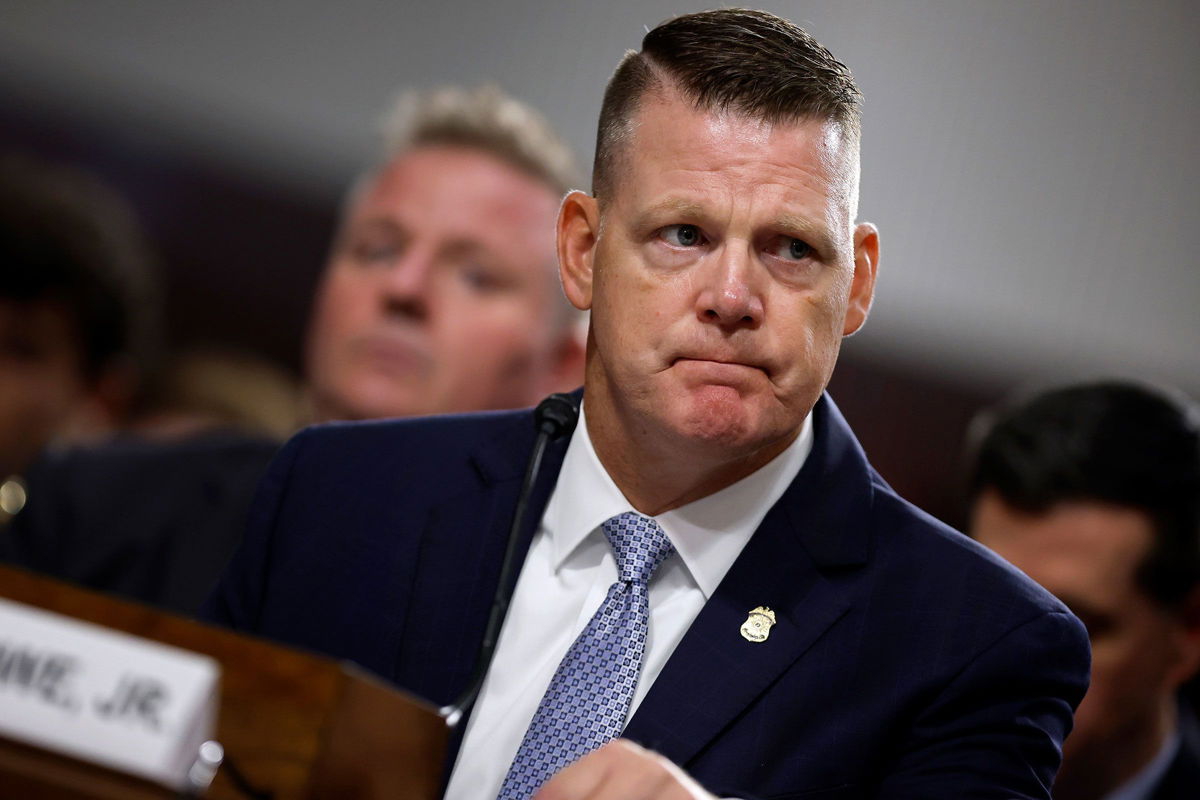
{"x":459,"y":562}
{"x":461,"y":551}
{"x":461,"y":538}
{"x":817,"y":526}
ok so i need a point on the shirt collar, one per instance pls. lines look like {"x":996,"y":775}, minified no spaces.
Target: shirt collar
{"x":708,"y":533}
{"x":1142,"y":785}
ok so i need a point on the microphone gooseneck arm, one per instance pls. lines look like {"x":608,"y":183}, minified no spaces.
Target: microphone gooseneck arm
{"x":554,"y":418}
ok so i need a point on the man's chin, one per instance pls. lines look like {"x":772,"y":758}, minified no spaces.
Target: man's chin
{"x":718,"y":416}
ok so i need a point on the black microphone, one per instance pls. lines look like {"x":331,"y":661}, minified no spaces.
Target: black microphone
{"x":554,"y":418}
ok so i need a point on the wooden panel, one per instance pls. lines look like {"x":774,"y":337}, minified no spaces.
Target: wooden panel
{"x":31,"y":772}
{"x":368,"y":727}
{"x":279,"y":708}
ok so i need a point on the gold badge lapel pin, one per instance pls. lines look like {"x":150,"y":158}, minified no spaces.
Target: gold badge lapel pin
{"x":757,"y":626}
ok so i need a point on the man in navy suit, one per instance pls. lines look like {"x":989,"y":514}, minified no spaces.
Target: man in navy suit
{"x":797,"y":630}
{"x":1093,"y":491}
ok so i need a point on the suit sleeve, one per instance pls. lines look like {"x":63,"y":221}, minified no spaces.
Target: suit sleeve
{"x":996,"y":730}
{"x":236,"y":601}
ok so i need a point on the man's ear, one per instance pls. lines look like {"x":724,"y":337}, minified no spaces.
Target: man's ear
{"x":578,"y":232}
{"x":862,"y":287}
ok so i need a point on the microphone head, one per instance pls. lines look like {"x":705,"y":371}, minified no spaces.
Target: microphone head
{"x":556,"y":415}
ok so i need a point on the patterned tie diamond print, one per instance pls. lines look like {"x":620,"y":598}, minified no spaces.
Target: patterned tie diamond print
{"x":591,"y":691}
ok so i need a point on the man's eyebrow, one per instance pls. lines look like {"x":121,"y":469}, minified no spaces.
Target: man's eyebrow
{"x":350,"y":228}
{"x":813,"y":232}
{"x":673,"y":206}
{"x":680,"y":206}
{"x":465,"y":246}
{"x":372,"y":224}
{"x":800,"y":227}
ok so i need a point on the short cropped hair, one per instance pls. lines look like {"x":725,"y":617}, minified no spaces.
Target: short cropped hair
{"x":1111,"y":442}
{"x":485,"y":119}
{"x":752,"y":63}
{"x":67,"y":238}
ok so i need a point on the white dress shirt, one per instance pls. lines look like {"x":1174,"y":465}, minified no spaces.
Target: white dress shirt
{"x":566,"y":575}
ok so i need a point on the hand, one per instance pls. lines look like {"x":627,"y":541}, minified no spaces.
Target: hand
{"x":621,"y":770}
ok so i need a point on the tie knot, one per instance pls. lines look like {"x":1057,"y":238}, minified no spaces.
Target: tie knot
{"x":640,"y":545}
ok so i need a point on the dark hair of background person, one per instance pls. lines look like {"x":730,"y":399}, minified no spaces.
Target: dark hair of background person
{"x":749,"y":62}
{"x":66,"y":238}
{"x":1109,"y":442}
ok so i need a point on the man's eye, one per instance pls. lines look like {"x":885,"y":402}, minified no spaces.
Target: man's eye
{"x":482,"y":279}
{"x":681,"y":235}
{"x":375,"y":252}
{"x":791,"y":249}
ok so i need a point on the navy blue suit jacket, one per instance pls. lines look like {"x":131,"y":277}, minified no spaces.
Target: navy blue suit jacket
{"x":906,"y":662}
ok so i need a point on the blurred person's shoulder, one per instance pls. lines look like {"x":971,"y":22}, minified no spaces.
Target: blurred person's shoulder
{"x":132,"y":457}
{"x":494,"y":443}
{"x":131,"y":486}
{"x":148,"y":519}
{"x":128,"y":485}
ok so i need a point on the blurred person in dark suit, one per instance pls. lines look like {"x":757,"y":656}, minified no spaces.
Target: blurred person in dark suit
{"x":1094,"y":492}
{"x":714,"y":591}
{"x":440,"y":294}
{"x":77,"y":312}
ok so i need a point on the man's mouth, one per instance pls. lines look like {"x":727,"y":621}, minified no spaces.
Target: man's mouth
{"x":719,"y":359}
{"x":393,"y":354}
{"x":718,"y":368}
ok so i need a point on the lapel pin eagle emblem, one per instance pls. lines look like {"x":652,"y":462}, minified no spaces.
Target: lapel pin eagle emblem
{"x":757,"y":626}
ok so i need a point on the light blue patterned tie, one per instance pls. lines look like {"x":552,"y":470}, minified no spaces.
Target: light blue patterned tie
{"x":589,"y":696}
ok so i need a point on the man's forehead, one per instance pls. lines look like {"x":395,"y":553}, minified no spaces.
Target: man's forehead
{"x":669,"y":134}
{"x":455,"y":186}
{"x":669,"y":109}
{"x":1090,"y":541}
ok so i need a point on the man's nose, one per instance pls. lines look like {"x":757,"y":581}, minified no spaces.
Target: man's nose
{"x":730,"y":296}
{"x":406,"y":283}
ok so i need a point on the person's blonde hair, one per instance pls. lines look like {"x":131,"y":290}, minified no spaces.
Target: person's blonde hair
{"x":483,"y":118}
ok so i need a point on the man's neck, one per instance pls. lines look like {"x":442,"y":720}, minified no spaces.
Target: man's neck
{"x":1105,"y":768}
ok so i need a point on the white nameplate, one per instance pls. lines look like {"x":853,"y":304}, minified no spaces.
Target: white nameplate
{"x":130,"y":704}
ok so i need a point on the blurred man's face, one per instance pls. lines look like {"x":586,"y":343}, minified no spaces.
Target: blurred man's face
{"x":1087,"y":555}
{"x":440,"y":293}
{"x":41,"y":379}
{"x":725,"y":271}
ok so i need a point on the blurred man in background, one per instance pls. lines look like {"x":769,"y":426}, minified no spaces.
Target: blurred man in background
{"x":442,"y":291}
{"x":441,"y":294}
{"x":77,"y":303}
{"x":1094,"y":492}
